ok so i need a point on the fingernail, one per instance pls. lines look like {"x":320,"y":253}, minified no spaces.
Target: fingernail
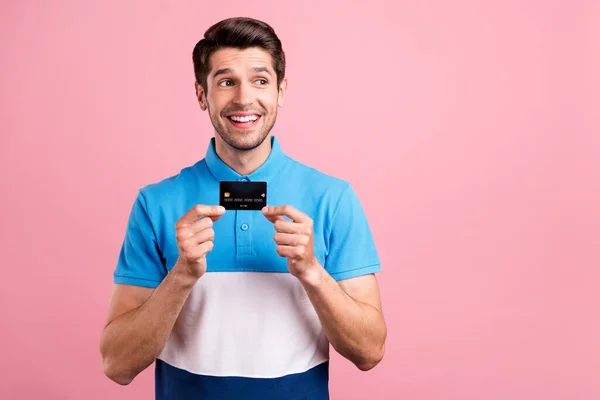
{"x":220,"y":209}
{"x":265,"y":210}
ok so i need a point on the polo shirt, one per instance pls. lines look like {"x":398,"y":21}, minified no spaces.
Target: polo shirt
{"x":247,"y":330}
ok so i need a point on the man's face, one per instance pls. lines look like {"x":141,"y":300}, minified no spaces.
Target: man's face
{"x":242,"y":96}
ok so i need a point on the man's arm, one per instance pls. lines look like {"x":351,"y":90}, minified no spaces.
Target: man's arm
{"x":140,"y":320}
{"x":139,"y":323}
{"x":350,"y":313}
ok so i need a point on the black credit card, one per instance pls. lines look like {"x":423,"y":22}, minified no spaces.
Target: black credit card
{"x":236,"y":195}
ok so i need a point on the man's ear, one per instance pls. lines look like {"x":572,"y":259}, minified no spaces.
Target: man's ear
{"x":282,"y":90}
{"x":201,"y":96}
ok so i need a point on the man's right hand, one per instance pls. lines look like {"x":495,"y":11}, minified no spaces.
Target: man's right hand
{"x":195,"y":238}
{"x":129,"y":343}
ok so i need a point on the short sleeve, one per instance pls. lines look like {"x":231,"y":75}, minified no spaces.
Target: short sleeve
{"x":352,"y":251}
{"x":140,"y":262}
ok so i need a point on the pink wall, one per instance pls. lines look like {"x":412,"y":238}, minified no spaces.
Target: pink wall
{"x":471,"y":133}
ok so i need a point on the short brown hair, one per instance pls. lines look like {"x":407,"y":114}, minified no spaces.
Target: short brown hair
{"x":240,"y":33}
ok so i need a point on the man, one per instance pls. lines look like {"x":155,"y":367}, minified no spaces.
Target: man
{"x":243,"y":304}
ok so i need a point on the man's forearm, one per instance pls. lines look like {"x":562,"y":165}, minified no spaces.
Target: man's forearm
{"x":356,"y":330}
{"x":132,"y":341}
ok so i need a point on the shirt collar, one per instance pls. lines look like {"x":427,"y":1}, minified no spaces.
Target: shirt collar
{"x":266,"y":172}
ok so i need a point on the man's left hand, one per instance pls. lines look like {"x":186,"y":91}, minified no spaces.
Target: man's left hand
{"x":295,"y":239}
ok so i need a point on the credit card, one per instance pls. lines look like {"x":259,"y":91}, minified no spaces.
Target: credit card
{"x":236,"y":195}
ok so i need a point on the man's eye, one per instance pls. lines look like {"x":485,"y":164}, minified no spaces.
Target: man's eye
{"x":225,"y":83}
{"x":261,"y":81}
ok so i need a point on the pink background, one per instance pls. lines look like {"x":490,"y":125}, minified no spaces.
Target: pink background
{"x":470,"y":130}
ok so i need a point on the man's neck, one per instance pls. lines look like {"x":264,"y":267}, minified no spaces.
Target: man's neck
{"x":243,"y":162}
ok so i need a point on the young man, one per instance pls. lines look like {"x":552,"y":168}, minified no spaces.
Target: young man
{"x":252,"y":315}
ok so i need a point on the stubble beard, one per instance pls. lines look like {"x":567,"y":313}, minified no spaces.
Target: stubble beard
{"x":254,"y":139}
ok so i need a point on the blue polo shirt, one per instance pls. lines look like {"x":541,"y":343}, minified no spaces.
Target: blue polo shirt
{"x":247,"y":330}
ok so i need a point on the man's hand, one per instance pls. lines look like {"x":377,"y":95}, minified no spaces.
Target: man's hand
{"x":195,"y":238}
{"x":294,"y":238}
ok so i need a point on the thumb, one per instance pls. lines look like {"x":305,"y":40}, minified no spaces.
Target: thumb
{"x":272,"y":217}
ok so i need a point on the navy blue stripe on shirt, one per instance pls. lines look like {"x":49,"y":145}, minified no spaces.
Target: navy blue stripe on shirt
{"x":177,"y":384}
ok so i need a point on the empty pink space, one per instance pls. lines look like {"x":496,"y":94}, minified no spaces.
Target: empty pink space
{"x":470,"y":130}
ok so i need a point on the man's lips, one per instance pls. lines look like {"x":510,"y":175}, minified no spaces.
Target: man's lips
{"x":242,"y":113}
{"x":244,"y":120}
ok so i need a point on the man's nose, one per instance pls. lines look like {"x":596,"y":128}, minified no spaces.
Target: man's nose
{"x":244,"y":95}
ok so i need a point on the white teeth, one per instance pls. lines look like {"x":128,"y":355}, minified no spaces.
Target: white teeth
{"x":244,"y":119}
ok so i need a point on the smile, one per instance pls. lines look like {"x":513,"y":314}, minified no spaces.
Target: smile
{"x":243,"y":121}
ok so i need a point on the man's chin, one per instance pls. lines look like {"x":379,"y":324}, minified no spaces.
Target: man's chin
{"x":249,"y":143}
{"x":244,"y":147}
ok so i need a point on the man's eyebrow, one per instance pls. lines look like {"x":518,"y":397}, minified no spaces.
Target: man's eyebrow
{"x":222,"y":71}
{"x":261,"y":69}
{"x":225,"y":71}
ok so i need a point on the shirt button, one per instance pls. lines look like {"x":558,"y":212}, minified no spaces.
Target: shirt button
{"x":244,"y":227}
{"x":245,"y":179}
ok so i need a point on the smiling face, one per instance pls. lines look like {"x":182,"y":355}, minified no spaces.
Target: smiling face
{"x":242,"y":96}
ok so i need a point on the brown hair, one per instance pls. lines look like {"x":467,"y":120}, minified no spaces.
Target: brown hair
{"x":240,"y":33}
